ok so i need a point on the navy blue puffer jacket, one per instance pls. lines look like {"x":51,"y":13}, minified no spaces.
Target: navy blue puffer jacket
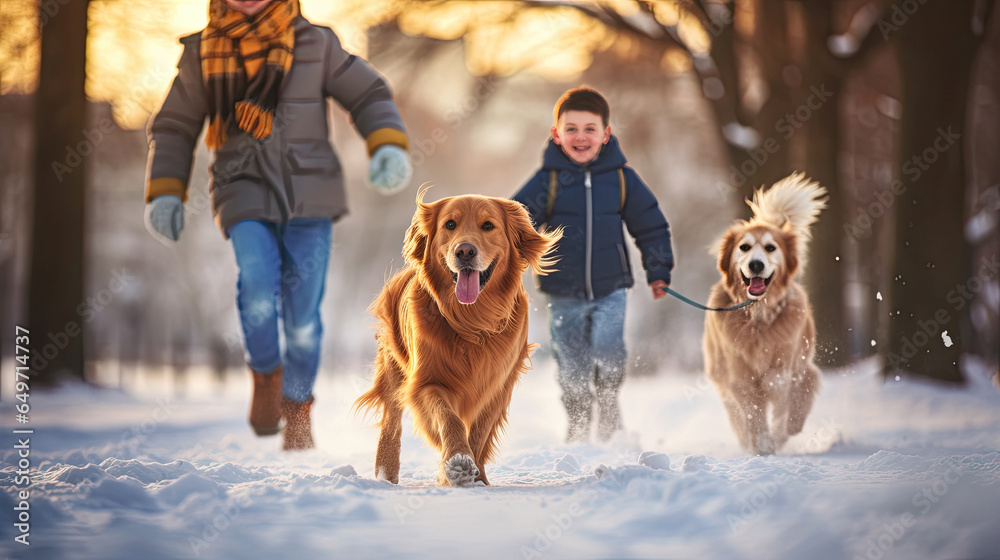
{"x":593,"y":261}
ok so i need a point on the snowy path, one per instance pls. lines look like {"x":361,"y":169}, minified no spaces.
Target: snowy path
{"x":898,"y":471}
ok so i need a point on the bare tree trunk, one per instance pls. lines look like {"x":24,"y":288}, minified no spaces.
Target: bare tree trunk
{"x":826,"y":274}
{"x":767,"y":161}
{"x":931,"y":270}
{"x":773,"y":50}
{"x":15,"y":173}
{"x":984,"y":178}
{"x":55,"y":289}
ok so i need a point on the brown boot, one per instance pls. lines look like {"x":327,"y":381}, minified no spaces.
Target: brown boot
{"x":265,"y":408}
{"x":298,"y":426}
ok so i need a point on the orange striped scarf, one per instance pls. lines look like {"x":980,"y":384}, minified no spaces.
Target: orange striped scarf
{"x":243,"y":61}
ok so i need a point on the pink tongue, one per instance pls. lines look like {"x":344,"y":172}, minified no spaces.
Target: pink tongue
{"x":757,"y":286}
{"x":467,"y":287}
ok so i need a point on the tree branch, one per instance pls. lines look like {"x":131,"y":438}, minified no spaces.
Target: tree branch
{"x":697,"y":9}
{"x":716,"y":19}
{"x":644,"y":26}
{"x":863,"y":35}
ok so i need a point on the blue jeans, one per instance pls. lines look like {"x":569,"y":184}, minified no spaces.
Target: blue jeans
{"x":282,"y":272}
{"x":588,"y":341}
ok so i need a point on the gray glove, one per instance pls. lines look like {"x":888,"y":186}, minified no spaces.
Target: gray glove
{"x":389,"y":171}
{"x":165,"y":218}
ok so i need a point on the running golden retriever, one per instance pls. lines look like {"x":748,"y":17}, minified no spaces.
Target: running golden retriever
{"x":761,"y":356}
{"x":453,"y":327}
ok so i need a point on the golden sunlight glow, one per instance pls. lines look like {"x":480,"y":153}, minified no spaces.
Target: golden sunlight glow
{"x":626,"y":8}
{"x":557,"y":43}
{"x":19,"y":52}
{"x":133,"y":45}
{"x":666,"y":13}
{"x":676,"y":61}
{"x":693,"y":34}
{"x":503,"y":38}
{"x":451,"y":21}
{"x":745,"y":18}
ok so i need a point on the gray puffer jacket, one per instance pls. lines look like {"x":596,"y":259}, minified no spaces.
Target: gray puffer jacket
{"x":294,"y":172}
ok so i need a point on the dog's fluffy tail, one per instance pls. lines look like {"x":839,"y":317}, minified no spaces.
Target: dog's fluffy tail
{"x":369,"y":402}
{"x":384,"y":391}
{"x":793,"y":203}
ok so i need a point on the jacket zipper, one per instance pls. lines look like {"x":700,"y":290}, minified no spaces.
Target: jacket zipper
{"x":588,"y":258}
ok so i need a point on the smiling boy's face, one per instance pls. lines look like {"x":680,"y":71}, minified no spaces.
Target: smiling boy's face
{"x":581,"y":135}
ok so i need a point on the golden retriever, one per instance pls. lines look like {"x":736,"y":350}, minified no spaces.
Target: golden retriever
{"x":453,"y":327}
{"x":761,"y":356}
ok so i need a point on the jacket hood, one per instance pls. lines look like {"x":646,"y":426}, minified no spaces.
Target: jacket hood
{"x":610,"y":157}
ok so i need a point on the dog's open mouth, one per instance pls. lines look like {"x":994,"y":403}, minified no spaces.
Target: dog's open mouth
{"x":757,"y":285}
{"x":469,"y":282}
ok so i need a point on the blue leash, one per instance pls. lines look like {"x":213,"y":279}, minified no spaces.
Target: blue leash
{"x":700,"y":306}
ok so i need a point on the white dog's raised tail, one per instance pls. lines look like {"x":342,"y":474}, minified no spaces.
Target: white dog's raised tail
{"x":793,"y":202}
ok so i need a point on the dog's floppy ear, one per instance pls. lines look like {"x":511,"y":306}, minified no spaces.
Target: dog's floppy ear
{"x":725,"y":251}
{"x":421,"y":230}
{"x":532,"y":246}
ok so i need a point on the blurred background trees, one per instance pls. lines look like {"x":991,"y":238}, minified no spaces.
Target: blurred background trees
{"x":710,"y":98}
{"x":61,"y":146}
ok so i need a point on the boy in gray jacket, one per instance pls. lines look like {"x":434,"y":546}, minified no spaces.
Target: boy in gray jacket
{"x":260,"y":74}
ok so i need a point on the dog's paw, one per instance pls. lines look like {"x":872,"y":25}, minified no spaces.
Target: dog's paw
{"x":460,"y":470}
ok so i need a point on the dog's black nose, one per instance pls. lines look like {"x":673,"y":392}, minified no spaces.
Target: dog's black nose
{"x":756,"y":266}
{"x":465,"y":251}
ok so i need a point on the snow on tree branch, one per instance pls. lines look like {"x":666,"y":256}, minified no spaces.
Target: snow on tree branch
{"x":862,"y":34}
{"x":741,"y":136}
{"x":714,"y":15}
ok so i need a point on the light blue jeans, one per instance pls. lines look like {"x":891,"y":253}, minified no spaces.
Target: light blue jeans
{"x":588,"y":341}
{"x":282,"y":273}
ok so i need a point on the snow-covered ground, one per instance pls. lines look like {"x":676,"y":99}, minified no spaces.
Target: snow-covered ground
{"x":901,"y":470}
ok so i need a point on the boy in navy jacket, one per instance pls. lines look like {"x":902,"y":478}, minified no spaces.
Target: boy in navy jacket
{"x":585,"y":187}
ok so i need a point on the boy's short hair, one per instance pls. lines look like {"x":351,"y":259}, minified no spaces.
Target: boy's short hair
{"x":582,"y":98}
